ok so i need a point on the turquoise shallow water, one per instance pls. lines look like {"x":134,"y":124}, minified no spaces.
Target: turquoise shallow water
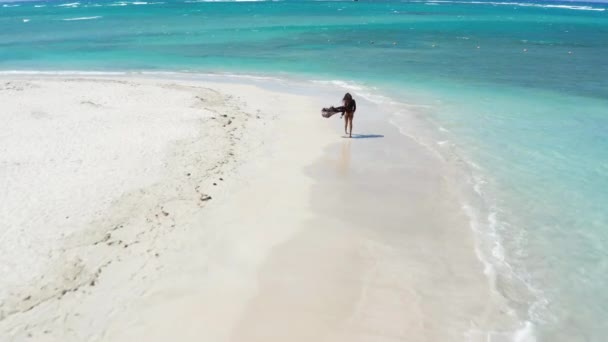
{"x":517,"y":90}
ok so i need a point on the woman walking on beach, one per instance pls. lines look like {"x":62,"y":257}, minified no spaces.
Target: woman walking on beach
{"x":350,"y":106}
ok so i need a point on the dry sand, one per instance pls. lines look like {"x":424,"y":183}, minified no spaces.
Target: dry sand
{"x":141,"y":209}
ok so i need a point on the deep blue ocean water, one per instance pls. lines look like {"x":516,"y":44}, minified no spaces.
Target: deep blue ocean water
{"x":517,"y":91}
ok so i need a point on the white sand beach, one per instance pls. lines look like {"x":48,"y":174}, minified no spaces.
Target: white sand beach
{"x":158,"y":209}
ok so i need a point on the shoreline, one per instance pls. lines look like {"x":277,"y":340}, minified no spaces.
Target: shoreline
{"x":270,"y":255}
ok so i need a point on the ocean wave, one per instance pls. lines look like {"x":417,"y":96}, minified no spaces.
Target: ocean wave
{"x":490,"y":250}
{"x":83,"y":18}
{"x":62,"y":73}
{"x":71,"y":4}
{"x":39,"y":6}
{"x":145,"y":3}
{"x":227,"y":75}
{"x":358,"y":89}
{"x":582,"y":8}
{"x":520,"y":4}
{"x":339,"y":83}
{"x":368,"y":93}
{"x":10,"y":5}
{"x":202,"y":1}
{"x":26,"y":20}
{"x":371,"y":94}
{"x":487,"y":225}
{"x":180,"y":74}
{"x":524,"y":333}
{"x":134,"y":3}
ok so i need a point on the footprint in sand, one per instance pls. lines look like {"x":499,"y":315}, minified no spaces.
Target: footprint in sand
{"x":90,"y":103}
{"x":38,"y":114}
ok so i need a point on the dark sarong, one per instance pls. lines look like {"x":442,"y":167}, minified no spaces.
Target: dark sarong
{"x":328,"y":112}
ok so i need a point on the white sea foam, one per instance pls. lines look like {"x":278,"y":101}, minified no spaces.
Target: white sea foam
{"x":498,"y":251}
{"x":83,"y":18}
{"x":38,"y":6}
{"x":72,"y":4}
{"x":359,"y":89}
{"x":525,"y":333}
{"x":10,"y":5}
{"x":582,"y":8}
{"x":485,"y":223}
{"x":135,"y":3}
{"x":62,"y":73}
{"x":145,"y":3}
{"x":339,"y":83}
{"x":26,"y":20}
{"x":523,"y":4}
{"x":488,"y":238}
{"x":432,"y":149}
{"x":201,"y":1}
{"x":228,"y":75}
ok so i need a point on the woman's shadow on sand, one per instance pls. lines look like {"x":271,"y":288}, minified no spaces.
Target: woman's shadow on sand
{"x":365,"y":136}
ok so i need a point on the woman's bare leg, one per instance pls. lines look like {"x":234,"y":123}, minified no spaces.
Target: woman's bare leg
{"x":345,"y":124}
{"x":350,"y":123}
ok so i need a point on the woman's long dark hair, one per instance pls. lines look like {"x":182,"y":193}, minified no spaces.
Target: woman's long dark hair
{"x":348,"y":102}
